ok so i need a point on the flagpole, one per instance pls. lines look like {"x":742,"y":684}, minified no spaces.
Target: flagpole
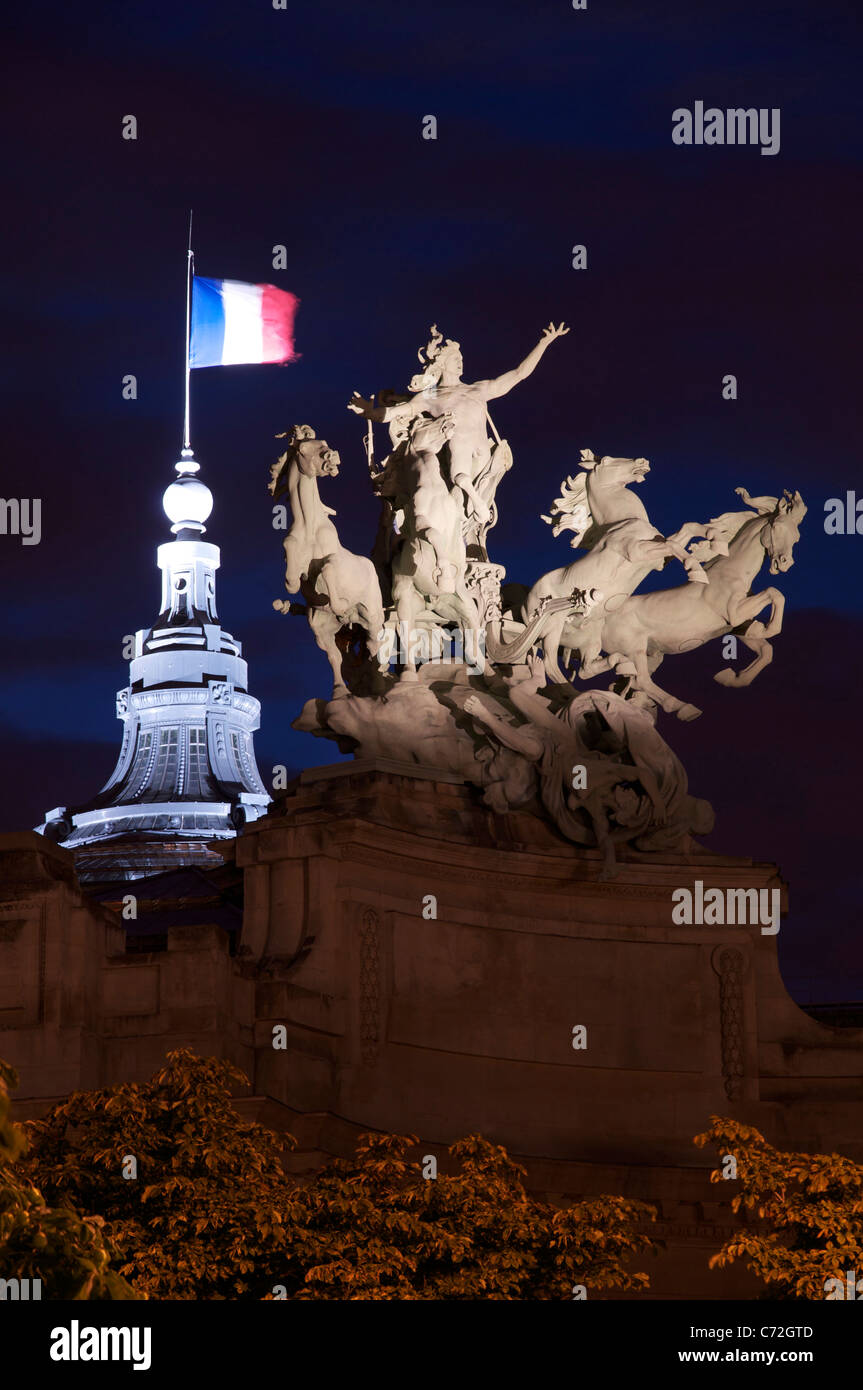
{"x":190,"y":259}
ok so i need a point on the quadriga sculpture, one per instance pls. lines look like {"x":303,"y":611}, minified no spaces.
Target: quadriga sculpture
{"x":592,"y":763}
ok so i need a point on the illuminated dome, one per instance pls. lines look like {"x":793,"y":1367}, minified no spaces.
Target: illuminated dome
{"x":186,"y":774}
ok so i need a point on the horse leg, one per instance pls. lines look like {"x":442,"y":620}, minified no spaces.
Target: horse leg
{"x":325,"y":625}
{"x":469,"y":616}
{"x":694,"y":530}
{"x":406,"y":601}
{"x":654,"y":660}
{"x":687,"y":532}
{"x":591,"y":661}
{"x":742,"y":610}
{"x":777,"y":612}
{"x":550,"y":642}
{"x":565,"y":659}
{"x":644,"y":681}
{"x":763,"y":657}
{"x":372,"y":619}
{"x":296,"y":563}
{"x":690,"y":564}
{"x":594,"y":667}
{"x":756,"y":635}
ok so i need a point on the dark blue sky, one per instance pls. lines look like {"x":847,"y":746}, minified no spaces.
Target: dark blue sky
{"x":303,"y":127}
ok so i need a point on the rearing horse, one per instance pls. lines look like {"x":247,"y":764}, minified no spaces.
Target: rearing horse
{"x":622,"y":546}
{"x":649,"y":627}
{"x":340,"y":588}
{"x":428,"y":568}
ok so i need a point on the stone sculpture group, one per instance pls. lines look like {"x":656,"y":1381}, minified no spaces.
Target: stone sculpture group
{"x":505,"y":714}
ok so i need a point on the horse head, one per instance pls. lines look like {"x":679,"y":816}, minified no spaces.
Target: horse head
{"x":782,"y":531}
{"x":615,"y":472}
{"x":572,"y":510}
{"x":428,"y":436}
{"x":310,"y":456}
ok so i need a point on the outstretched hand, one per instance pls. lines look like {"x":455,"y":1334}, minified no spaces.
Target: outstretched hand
{"x":550,"y":333}
{"x":359,"y":405}
{"x":474,"y":707}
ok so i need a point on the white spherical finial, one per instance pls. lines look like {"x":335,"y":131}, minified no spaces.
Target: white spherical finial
{"x":187,"y":502}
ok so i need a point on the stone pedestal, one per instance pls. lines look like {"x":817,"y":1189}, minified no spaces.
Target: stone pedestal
{"x":430,"y":960}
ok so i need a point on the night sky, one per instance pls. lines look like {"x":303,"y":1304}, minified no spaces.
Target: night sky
{"x":302,"y":127}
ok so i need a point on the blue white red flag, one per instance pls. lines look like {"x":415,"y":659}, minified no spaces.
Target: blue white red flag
{"x":233,"y":322}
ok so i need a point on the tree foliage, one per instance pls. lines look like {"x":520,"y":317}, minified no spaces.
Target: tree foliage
{"x":804,"y":1212}
{"x":69,"y":1253}
{"x":213,"y":1213}
{"x":374,"y":1227}
{"x":205,"y":1215}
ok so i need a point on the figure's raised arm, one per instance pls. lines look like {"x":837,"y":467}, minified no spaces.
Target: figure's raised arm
{"x":383,"y":414}
{"x":500,"y":385}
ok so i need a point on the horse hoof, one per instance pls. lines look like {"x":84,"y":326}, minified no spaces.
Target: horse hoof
{"x":621,"y":665}
{"x":688,"y":712}
{"x":726,"y":677}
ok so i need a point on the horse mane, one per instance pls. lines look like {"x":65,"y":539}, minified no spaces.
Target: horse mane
{"x":572,"y":496}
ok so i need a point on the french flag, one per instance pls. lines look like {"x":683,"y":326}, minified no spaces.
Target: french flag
{"x":233,"y":322}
